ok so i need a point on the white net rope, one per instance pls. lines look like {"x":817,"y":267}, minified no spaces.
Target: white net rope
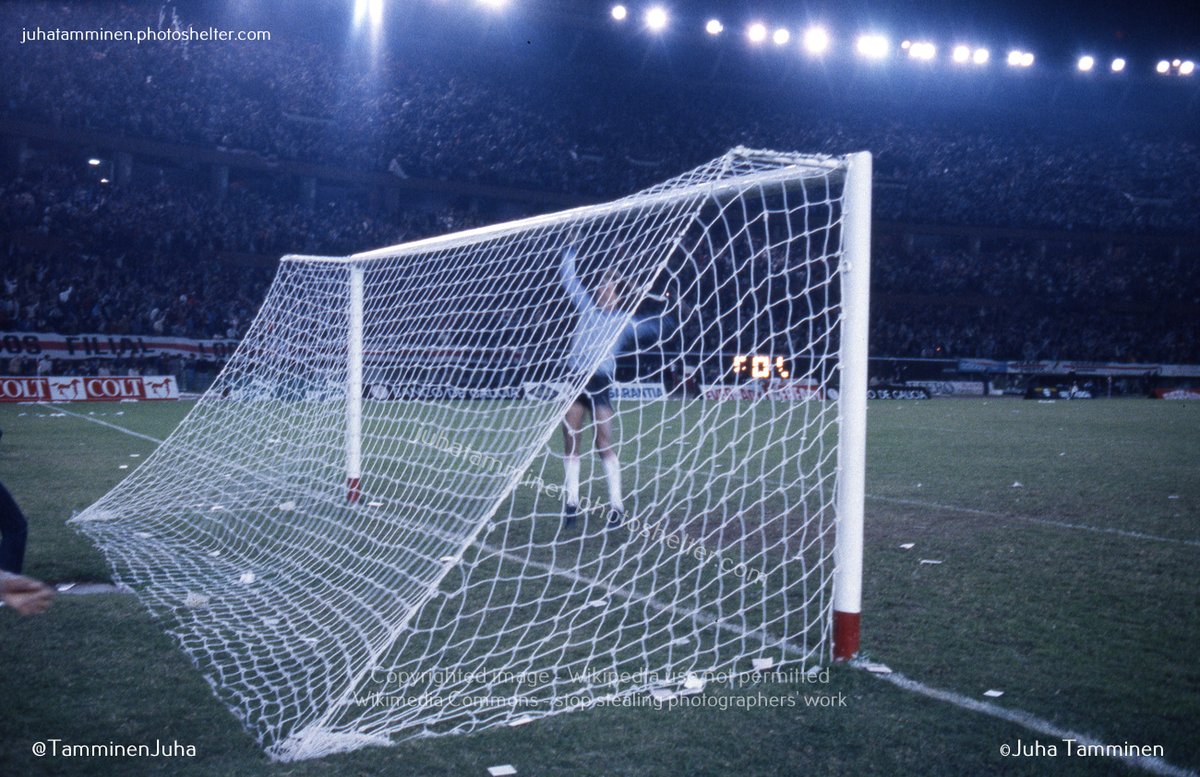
{"x":452,"y":595}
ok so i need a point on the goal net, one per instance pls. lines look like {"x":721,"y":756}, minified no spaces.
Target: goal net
{"x":369,"y":528}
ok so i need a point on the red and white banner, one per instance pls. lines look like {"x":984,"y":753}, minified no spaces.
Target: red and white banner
{"x":1183,"y":393}
{"x":56,"y":346}
{"x":77,"y":389}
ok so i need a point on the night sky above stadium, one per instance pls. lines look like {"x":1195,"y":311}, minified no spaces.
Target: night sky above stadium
{"x":1059,"y":28}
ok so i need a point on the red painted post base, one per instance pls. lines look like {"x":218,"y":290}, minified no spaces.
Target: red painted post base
{"x":354,"y":491}
{"x":845,"y":635}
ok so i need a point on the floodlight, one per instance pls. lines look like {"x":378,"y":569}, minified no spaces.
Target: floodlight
{"x":781,"y":36}
{"x":757,"y":32}
{"x":922,"y":50}
{"x":1018,"y":58}
{"x":1118,"y":65}
{"x":619,"y":12}
{"x":375,"y":12}
{"x":816,"y":40}
{"x":1162,"y":67}
{"x":1175,"y":63}
{"x":981,"y":56}
{"x":1187,"y":67}
{"x":961,"y":54}
{"x":714,"y":27}
{"x":1086,"y":63}
{"x":103,"y":180}
{"x":94,"y":162}
{"x":872,"y":46}
{"x":905,"y":44}
{"x":656,"y":18}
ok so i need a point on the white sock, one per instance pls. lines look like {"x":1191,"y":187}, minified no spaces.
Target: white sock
{"x":572,"y":465}
{"x":612,"y":469}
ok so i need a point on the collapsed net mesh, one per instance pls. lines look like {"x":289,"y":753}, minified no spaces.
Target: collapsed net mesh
{"x":450,"y":596}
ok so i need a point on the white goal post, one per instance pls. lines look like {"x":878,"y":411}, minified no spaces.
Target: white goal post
{"x":377,"y":525}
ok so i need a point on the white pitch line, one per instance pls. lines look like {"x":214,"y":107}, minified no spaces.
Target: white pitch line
{"x":1152,"y":764}
{"x":1019,"y":717}
{"x":94,"y":420}
{"x":1135,"y":535}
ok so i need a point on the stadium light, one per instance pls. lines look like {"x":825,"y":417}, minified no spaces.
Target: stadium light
{"x":872,"y":46}
{"x":981,"y":56}
{"x":1187,"y":67}
{"x":922,"y":50}
{"x":656,"y":18}
{"x":714,"y":27}
{"x":94,"y":162}
{"x":1018,"y":58}
{"x":816,"y":40}
{"x":103,"y":180}
{"x":1162,"y":67}
{"x":1118,"y":65}
{"x":781,"y":36}
{"x":619,"y":12}
{"x":1086,"y":63}
{"x":757,"y":32}
{"x":494,"y":5}
{"x":961,"y":54}
{"x":375,"y":12}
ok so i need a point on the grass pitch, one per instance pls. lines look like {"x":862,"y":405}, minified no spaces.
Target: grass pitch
{"x":1068,"y":536}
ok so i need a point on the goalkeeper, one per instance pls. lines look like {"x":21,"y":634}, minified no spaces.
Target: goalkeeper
{"x":601,"y":328}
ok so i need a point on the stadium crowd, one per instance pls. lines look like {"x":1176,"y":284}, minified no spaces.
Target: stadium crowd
{"x":424,"y":117}
{"x":78,"y":255}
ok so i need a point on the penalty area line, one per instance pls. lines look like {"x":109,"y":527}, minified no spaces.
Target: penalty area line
{"x":1053,"y":522}
{"x":109,"y":424}
{"x":1032,"y":722}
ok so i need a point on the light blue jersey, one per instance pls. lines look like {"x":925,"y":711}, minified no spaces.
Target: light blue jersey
{"x":598,"y":333}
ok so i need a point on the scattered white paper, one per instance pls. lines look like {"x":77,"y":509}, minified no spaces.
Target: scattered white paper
{"x":214,"y":553}
{"x":271,"y":621}
{"x":760,"y":664}
{"x":661,"y":694}
{"x":931,"y":561}
{"x":287,"y":506}
{"x":993,"y":694}
{"x":375,"y":503}
{"x":919,"y":485}
{"x":692,"y":684}
{"x":123,"y":466}
{"x":598,"y":603}
{"x":874,"y":668}
{"x":135,"y":455}
{"x":500,"y":771}
{"x":63,"y":587}
{"x":908,"y":545}
{"x":143,"y":535}
{"x":1173,"y":496}
{"x":195,"y":600}
{"x":521,"y":721}
{"x":1017,"y":484}
{"x":680,"y":641}
{"x":247,"y":578}
{"x":214,"y":508}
